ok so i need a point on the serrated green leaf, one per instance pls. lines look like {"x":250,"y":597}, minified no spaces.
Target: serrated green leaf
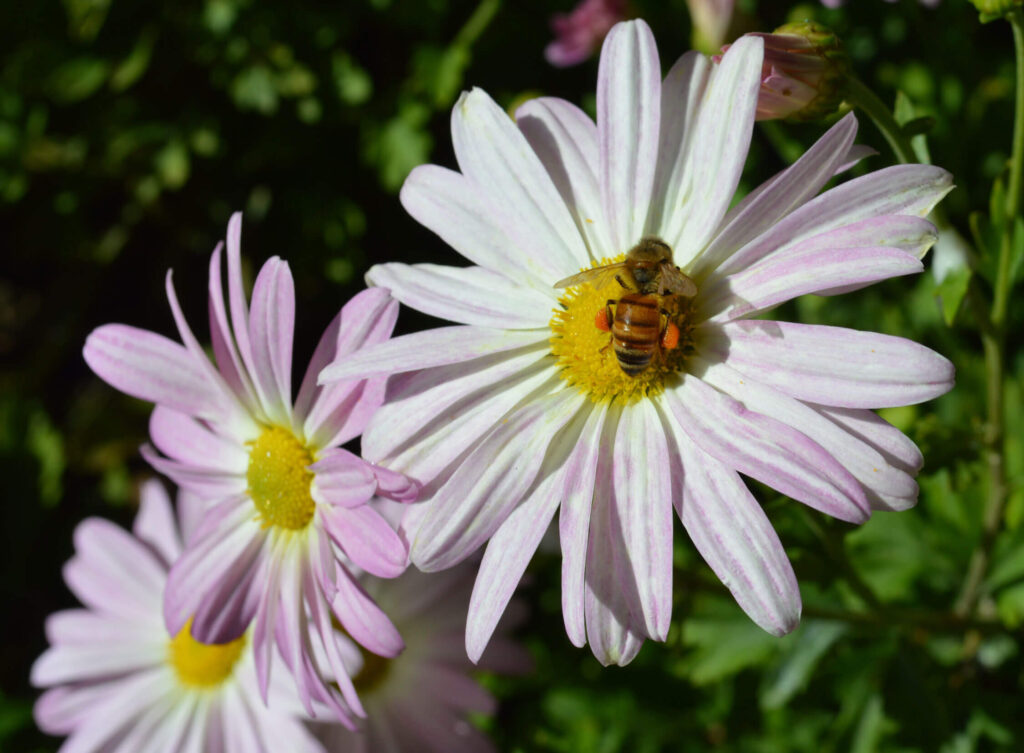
{"x":723,"y":647}
{"x":807,"y":647}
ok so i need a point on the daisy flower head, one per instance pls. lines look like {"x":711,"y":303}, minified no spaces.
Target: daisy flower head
{"x":288,"y":516}
{"x":525,"y":408}
{"x":119,"y":683}
{"x":420,"y":700}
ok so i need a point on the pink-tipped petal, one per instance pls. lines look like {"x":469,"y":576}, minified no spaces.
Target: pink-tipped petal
{"x":509,"y":552}
{"x":467,"y":295}
{"x":766,"y":449}
{"x":496,"y":157}
{"x":835,"y":366}
{"x":362,"y":618}
{"x":628,"y":120}
{"x":718,"y":147}
{"x":565,"y":140}
{"x":574,"y":524}
{"x":435,"y":347}
{"x":735,"y":538}
{"x":271,"y":330}
{"x":681,"y":95}
{"x":155,"y":523}
{"x":780,"y":195}
{"x":643,"y":504}
{"x":367,"y":539}
{"x":152,"y":367}
{"x":342,"y":479}
{"x":482,"y":492}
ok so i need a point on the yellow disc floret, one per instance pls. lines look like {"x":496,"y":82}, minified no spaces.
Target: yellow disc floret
{"x":586,"y":354}
{"x":279,"y":480}
{"x":199,"y":665}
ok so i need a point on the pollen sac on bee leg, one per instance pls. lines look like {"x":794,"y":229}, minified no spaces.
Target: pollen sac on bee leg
{"x":670,"y":339}
{"x":601,"y":319}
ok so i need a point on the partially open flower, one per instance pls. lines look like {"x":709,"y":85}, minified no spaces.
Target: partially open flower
{"x":710,"y":19}
{"x":579,"y":34}
{"x":803,"y":74}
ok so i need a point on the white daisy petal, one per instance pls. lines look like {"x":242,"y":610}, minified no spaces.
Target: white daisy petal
{"x":628,"y":118}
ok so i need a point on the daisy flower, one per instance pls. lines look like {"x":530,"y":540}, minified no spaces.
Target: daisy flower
{"x":524,"y":410}
{"x":119,"y":683}
{"x":419,"y":701}
{"x":288,"y":506}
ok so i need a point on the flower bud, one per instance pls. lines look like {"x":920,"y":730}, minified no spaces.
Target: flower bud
{"x":804,"y":72}
{"x":710,"y":20}
{"x":579,"y":34}
{"x":993,"y":9}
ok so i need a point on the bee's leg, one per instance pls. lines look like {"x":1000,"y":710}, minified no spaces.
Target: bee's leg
{"x":669,"y":332}
{"x":618,"y":279}
{"x":603,"y":320}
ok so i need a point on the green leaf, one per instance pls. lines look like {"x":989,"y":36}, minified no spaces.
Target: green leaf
{"x":78,"y":79}
{"x":134,"y":66}
{"x":918,"y":126}
{"x":173,"y":164}
{"x":724,"y":646}
{"x":254,"y":89}
{"x":871,"y":727}
{"x":1017,"y":251}
{"x":353,"y":83}
{"x":807,"y":646}
{"x":46,"y":443}
{"x":439,"y":72}
{"x":951,"y":292}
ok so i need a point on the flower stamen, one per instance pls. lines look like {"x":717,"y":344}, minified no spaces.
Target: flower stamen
{"x":279,"y":479}
{"x":202,"y":665}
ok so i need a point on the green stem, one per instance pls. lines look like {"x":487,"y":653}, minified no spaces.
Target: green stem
{"x":861,"y":96}
{"x":993,"y":338}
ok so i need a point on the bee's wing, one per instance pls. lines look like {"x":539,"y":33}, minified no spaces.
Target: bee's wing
{"x":597,"y":276}
{"x":676,"y":282}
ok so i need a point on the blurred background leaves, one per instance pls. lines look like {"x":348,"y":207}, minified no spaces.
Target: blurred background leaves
{"x":130,"y":131}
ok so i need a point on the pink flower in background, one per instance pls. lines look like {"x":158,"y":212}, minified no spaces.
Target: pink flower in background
{"x":522,"y":409}
{"x":420,"y":700}
{"x":118,"y":683}
{"x":578,"y":34}
{"x":288,"y":507}
{"x":711,"y":20}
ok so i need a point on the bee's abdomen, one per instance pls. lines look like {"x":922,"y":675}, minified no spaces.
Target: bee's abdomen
{"x":635,"y":332}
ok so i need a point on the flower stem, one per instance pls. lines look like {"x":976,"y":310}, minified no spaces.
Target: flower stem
{"x":861,"y":96}
{"x":993,"y":338}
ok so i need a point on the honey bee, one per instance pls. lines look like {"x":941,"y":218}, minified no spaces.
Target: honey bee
{"x":640,"y":323}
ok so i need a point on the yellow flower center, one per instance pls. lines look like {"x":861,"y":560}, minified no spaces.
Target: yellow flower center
{"x":279,"y":480}
{"x":199,"y":665}
{"x":587,"y":354}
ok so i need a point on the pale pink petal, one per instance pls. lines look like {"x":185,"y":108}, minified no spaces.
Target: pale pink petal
{"x":228,"y":361}
{"x":717,"y":149}
{"x":565,"y":140}
{"x":496,"y":157}
{"x":880,"y":479}
{"x":735,"y":538}
{"x":342,"y":478}
{"x":185,"y":439}
{"x":271,"y":330}
{"x":900,"y":189}
{"x":369,"y":541}
{"x":681,"y":95}
{"x":643,"y":505}
{"x":574,"y":523}
{"x":836,"y":366}
{"x":766,"y":450}
{"x":112,"y":572}
{"x":628,"y":119}
{"x":434,"y":347}
{"x":236,"y":299}
{"x":780,"y":195}
{"x":152,"y":367}
{"x":467,"y":295}
{"x":395,"y":486}
{"x":495,"y":477}
{"x":454,"y":208}
{"x":800,"y":270}
{"x":508,"y":553}
{"x":471,"y":390}
{"x":368,"y":318}
{"x":223,"y":542}
{"x":155,"y":523}
{"x":614,"y":632}
{"x":895,"y":446}
{"x":229,"y":602}
{"x":362,"y":618}
{"x":62,"y":709}
{"x":208,"y":483}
